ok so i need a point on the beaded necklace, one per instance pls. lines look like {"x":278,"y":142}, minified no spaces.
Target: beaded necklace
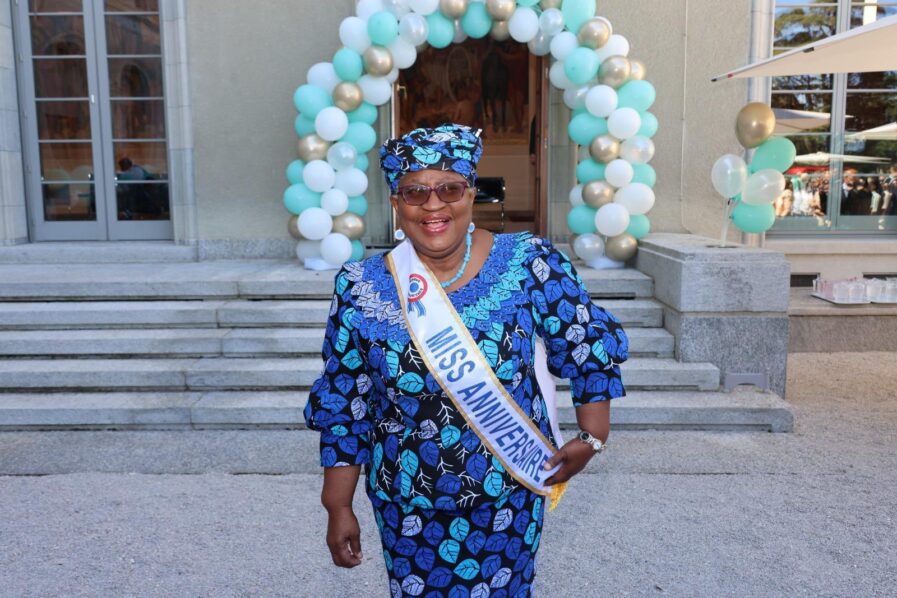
{"x":460,"y":273}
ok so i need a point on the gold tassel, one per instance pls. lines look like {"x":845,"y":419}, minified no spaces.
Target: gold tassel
{"x":557,"y":491}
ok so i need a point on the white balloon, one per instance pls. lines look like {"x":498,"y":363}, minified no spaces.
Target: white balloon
{"x":399,"y":8}
{"x":393,"y":75}
{"x":414,"y":29}
{"x":729,"y":175}
{"x":552,"y":21}
{"x":368,"y":8}
{"x":617,"y":45}
{"x":352,"y":180}
{"x":602,"y":100}
{"x":336,"y":249}
{"x":611,"y":220}
{"x":353,"y":33}
{"x":524,"y":24}
{"x":637,"y":198}
{"x":576,"y":196}
{"x":588,"y":247}
{"x":540,"y":45}
{"x":637,"y":150}
{"x":624,"y":123}
{"x":460,"y":34}
{"x":558,"y":76}
{"x":318,"y":176}
{"x":323,"y":75}
{"x":762,"y":187}
{"x":575,"y":98}
{"x":331,"y":123}
{"x":376,"y":90}
{"x":403,"y":52}
{"x":335,"y":202}
{"x":619,"y":173}
{"x":315,"y":224}
{"x":424,"y":7}
{"x":563,"y":44}
{"x":307,"y":249}
{"x":342,"y":155}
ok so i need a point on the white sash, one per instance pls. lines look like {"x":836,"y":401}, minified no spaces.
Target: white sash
{"x":456,"y":362}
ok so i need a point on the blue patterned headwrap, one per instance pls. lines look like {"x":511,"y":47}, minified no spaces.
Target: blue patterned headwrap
{"x":447,"y":147}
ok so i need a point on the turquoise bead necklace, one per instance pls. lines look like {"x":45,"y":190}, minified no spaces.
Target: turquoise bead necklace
{"x":460,"y":273}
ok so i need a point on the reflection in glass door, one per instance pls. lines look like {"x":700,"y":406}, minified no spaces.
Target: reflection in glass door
{"x":94,"y":119}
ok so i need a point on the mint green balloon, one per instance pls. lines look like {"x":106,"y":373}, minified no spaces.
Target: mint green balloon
{"x":362,"y":136}
{"x":649,"y":125}
{"x":311,"y":99}
{"x":304,"y":126}
{"x":638,"y":94}
{"x":366,"y":113}
{"x":442,"y":30}
{"x":752,"y":218}
{"x":585,"y":127}
{"x":526,"y":2}
{"x":298,"y":197}
{"x":581,"y":219}
{"x":348,"y":64}
{"x":589,"y":170}
{"x":777,"y":153}
{"x":358,"y":205}
{"x":581,"y":65}
{"x":578,"y":111}
{"x":294,"y":171}
{"x":639,"y":226}
{"x":362,"y":163}
{"x":383,"y":28}
{"x":645,"y":174}
{"x":577,"y":12}
{"x":357,"y":251}
{"x":476,"y":22}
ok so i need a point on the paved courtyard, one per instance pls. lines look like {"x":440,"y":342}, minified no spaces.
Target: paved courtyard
{"x":225,"y":513}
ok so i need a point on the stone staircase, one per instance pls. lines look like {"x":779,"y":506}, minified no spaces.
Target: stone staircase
{"x":236,"y":344}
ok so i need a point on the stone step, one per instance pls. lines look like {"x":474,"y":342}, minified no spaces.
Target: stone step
{"x":214,"y":342}
{"x":740,"y":410}
{"x":223,"y":373}
{"x":51,"y":315}
{"x":257,"y":278}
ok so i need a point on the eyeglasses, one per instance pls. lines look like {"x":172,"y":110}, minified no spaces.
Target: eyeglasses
{"x":418,"y":195}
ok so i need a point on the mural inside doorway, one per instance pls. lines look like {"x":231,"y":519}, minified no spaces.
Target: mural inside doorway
{"x":605,"y":89}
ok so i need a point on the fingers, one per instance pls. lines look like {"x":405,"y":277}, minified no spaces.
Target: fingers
{"x":355,"y":546}
{"x":343,"y":555}
{"x":555,"y":459}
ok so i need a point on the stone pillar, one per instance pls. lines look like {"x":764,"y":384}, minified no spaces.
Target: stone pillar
{"x":726,"y":306}
{"x":13,"y":222}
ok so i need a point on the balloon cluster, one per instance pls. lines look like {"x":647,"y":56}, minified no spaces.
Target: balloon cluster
{"x":753,"y":188}
{"x":605,"y":89}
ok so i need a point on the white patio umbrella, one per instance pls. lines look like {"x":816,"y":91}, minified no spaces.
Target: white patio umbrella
{"x":797,"y":121}
{"x":883,"y":133}
{"x":824,"y":158}
{"x":870,"y":48}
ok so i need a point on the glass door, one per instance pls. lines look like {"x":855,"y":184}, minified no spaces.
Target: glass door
{"x":91,"y":89}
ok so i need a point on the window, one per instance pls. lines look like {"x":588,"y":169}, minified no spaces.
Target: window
{"x":844,"y":126}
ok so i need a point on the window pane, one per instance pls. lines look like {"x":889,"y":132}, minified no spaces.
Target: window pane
{"x":140,"y":162}
{"x":60,"y":78}
{"x":865,"y":189}
{"x":881,"y":80}
{"x":68,"y":201}
{"x":57,"y":35}
{"x":808,"y":181}
{"x":54,"y":6}
{"x":133,"y":119}
{"x":66,"y":161}
{"x":132,"y":5}
{"x":63,"y":120}
{"x":869,"y":110}
{"x":863,"y":13}
{"x":145,"y":201}
{"x":135,"y":77}
{"x":808,"y":82}
{"x":796,"y":26}
{"x":810,"y":102}
{"x":133,"y":34}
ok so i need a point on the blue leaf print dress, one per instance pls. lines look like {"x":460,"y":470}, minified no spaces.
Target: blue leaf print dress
{"x":454,"y":523}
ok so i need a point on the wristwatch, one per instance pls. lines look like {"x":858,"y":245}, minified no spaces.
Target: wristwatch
{"x":596,"y":444}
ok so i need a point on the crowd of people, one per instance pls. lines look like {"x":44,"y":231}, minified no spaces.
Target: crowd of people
{"x":861,"y":195}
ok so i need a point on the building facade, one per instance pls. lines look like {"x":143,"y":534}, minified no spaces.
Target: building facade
{"x":172,"y":121}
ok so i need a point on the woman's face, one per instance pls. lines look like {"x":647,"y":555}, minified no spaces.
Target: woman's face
{"x":435,"y":228}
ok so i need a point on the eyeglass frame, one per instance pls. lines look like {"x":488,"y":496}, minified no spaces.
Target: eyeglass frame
{"x":431,"y":190}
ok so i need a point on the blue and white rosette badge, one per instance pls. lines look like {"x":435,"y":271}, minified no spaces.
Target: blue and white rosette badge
{"x":417,"y":288}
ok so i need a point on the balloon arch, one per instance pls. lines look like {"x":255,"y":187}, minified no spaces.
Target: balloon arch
{"x":605,"y":89}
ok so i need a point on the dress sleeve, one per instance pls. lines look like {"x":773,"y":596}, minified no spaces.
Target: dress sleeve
{"x":584,"y":342}
{"x":338,"y":401}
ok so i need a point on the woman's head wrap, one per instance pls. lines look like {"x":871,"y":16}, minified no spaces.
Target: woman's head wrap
{"x":448,"y":147}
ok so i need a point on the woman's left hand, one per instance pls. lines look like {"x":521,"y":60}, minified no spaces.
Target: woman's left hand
{"x":572,"y":457}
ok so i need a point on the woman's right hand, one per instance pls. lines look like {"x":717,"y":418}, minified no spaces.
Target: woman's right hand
{"x":344,"y":537}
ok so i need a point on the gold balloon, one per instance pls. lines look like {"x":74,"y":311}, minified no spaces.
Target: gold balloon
{"x":378,"y":61}
{"x":638,"y":70}
{"x":604,"y":149}
{"x":594,"y":33}
{"x":500,"y":31}
{"x":453,"y":9}
{"x":755,"y":124}
{"x":312,"y":147}
{"x":621,"y":248}
{"x":546,"y":4}
{"x":293,"y":227}
{"x":349,"y":224}
{"x":598,"y":194}
{"x":501,"y":10}
{"x":614,"y":71}
{"x":347,"y":96}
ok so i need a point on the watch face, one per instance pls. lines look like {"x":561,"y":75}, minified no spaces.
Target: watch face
{"x":584,"y":436}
